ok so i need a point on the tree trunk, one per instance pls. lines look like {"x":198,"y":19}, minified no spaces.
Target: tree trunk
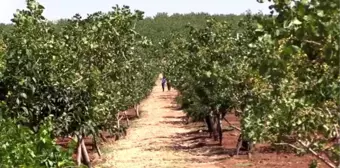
{"x":127,"y":118}
{"x":79,"y":154}
{"x":137,"y":110}
{"x":209,"y":123}
{"x":215,"y":127}
{"x":239,"y":144}
{"x":103,"y":137}
{"x":95,"y":146}
{"x":245,"y":145}
{"x":85,"y":154}
{"x":219,"y":127}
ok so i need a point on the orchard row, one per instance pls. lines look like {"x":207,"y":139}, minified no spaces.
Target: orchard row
{"x":73,"y":81}
{"x":279,"y":72}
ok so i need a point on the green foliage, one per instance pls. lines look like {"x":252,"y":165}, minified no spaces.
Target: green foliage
{"x":23,"y":148}
{"x":313,"y":164}
{"x":302,"y":70}
{"x":163,"y":25}
{"x":2,"y":51}
{"x":83,"y":75}
{"x":201,"y":63}
{"x":280,"y":71}
{"x":80,"y":75}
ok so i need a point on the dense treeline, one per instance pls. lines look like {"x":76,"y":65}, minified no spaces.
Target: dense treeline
{"x":69,"y":80}
{"x":160,"y":26}
{"x":280,"y":74}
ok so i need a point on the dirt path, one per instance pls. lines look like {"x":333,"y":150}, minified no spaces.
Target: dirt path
{"x":161,"y":139}
{"x":157,"y":139}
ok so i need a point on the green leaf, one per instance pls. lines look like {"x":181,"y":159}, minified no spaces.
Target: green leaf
{"x":23,"y":95}
{"x":320,"y":13}
{"x":208,"y":74}
{"x":17,"y":101}
{"x":295,"y":21}
{"x":25,"y":110}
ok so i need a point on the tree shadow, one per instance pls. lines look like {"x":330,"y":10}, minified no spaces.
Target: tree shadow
{"x":173,"y":107}
{"x":174,"y":117}
{"x":173,"y":122}
{"x":166,"y":97}
{"x":220,"y":151}
{"x":198,"y":143}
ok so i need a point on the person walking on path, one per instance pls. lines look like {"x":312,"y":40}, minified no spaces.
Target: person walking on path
{"x":163,"y":82}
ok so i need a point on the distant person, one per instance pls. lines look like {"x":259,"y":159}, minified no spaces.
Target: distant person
{"x":163,"y":82}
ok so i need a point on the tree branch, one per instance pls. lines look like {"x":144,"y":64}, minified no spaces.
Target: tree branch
{"x":312,"y":42}
{"x":323,"y":159}
{"x":291,"y":145}
{"x":231,"y":125}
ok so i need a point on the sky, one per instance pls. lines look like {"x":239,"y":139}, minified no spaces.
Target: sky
{"x":56,"y":9}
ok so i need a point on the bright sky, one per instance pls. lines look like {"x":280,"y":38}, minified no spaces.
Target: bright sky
{"x":56,"y":9}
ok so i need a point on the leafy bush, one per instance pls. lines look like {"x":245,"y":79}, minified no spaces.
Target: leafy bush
{"x":21,"y":147}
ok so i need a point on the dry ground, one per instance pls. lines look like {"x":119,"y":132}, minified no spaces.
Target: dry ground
{"x":161,"y":139}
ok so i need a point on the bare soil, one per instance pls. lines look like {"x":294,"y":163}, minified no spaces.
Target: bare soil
{"x":162,"y":139}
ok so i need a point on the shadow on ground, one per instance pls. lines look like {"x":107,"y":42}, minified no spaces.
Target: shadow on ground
{"x":174,"y":117}
{"x":195,"y":142}
{"x":201,"y":147}
{"x":173,"y":107}
{"x":166,"y":97}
